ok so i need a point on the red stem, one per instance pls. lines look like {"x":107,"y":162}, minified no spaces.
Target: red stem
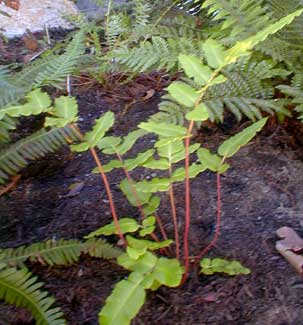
{"x":106,"y":184}
{"x":109,"y":194}
{"x":134,"y":191}
{"x":162,"y":230}
{"x":174,"y":215}
{"x":135,"y":194}
{"x":187,"y":202}
{"x":218,"y":222}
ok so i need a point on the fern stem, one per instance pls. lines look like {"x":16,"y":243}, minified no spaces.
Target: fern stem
{"x":187,"y":202}
{"x":132,"y":187}
{"x":218,"y":222}
{"x":187,"y":181}
{"x":109,"y":194}
{"x":109,"y":7}
{"x":106,"y":184}
{"x":162,"y":16}
{"x":174,"y":214}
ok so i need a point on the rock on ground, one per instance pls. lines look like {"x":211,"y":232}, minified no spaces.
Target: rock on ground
{"x":35,"y":15}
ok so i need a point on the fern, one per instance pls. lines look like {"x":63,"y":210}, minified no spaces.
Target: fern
{"x":33,"y":147}
{"x":295,"y":91}
{"x":49,"y":70}
{"x":243,"y":18}
{"x":142,"y":13}
{"x":61,"y":252}
{"x":20,"y":288}
{"x":287,"y":44}
{"x":56,"y":71}
{"x":157,"y":53}
{"x":114,"y":29}
{"x":6,"y":125}
{"x":240,"y":17}
{"x":8,"y":90}
{"x":246,"y":91}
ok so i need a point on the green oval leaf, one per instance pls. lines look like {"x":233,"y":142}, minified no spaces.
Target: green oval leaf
{"x":126,"y":225}
{"x":124,"y":302}
{"x":214,"y":53}
{"x":183,"y":93}
{"x":164,"y":129}
{"x":168,"y":272}
{"x":229,"y":147}
{"x":194,"y":68}
{"x":200,"y":113}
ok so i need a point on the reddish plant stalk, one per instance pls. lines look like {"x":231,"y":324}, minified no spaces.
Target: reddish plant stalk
{"x":132,"y":187}
{"x":106,"y":184}
{"x":163,"y":233}
{"x":218,"y":222}
{"x":134,"y":191}
{"x":187,"y":202}
{"x":174,"y":214}
{"x":162,"y":230}
{"x":109,"y":194}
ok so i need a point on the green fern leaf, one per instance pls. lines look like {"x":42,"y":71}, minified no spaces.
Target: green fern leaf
{"x":124,"y":302}
{"x":56,"y":70}
{"x":18,"y":287}
{"x":35,"y":146}
{"x":61,"y":252}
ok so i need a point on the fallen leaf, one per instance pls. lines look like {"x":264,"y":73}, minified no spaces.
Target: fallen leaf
{"x":289,"y":246}
{"x":30,"y":41}
{"x":149,"y":94}
{"x":14,"y":4}
{"x":75,"y":189}
{"x":10,"y":186}
{"x":291,"y":239}
{"x":210,"y":297}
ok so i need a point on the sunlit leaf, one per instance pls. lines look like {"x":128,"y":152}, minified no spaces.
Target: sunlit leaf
{"x":124,"y":302}
{"x":229,"y":147}
{"x":140,"y":198}
{"x":211,"y":161}
{"x":164,"y":129}
{"x":214,"y":53}
{"x":183,"y":93}
{"x":168,"y":272}
{"x":127,"y":225}
{"x":194,"y":68}
{"x":200,"y":113}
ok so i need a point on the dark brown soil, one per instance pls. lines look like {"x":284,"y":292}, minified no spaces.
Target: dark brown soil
{"x":261,"y":192}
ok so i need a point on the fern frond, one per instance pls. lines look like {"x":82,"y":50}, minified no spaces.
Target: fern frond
{"x":180,"y":26}
{"x":246,"y":92}
{"x":169,"y":112}
{"x":142,"y":13}
{"x":56,"y":71}
{"x":114,"y":29}
{"x":239,"y":17}
{"x":35,"y":146}
{"x":158,"y":53}
{"x":6,"y":124}
{"x":8,"y":90}
{"x":20,"y":288}
{"x":287,"y":44}
{"x":295,"y":92}
{"x":61,"y":252}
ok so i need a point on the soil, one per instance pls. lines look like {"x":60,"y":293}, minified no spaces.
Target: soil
{"x":261,"y":192}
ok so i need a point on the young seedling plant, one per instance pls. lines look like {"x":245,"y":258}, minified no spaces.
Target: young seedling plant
{"x":148,"y":270}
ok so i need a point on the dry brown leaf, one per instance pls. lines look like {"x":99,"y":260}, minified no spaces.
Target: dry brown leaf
{"x":30,"y":41}
{"x":149,"y":94}
{"x":289,"y":246}
{"x":291,"y":240}
{"x":14,"y":4}
{"x":10,"y":186}
{"x":75,"y":189}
